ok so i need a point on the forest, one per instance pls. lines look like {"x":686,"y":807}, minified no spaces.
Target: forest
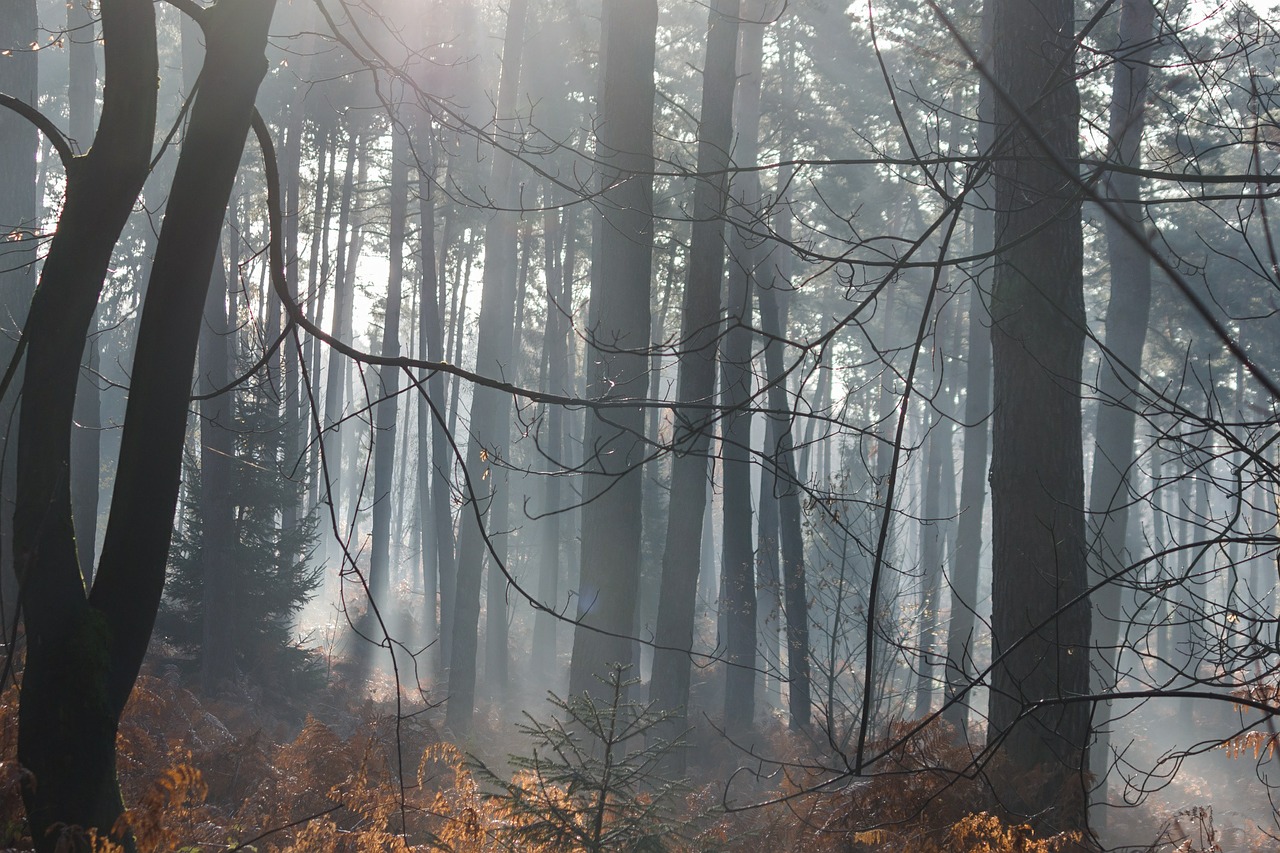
{"x":623,"y":425}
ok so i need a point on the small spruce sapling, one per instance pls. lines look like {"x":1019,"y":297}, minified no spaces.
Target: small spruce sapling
{"x":585,"y":787}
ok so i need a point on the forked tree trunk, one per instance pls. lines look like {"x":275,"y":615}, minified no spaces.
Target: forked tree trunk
{"x":84,"y":653}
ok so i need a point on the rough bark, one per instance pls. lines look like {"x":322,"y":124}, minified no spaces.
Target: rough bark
{"x":736,"y":392}
{"x":1040,"y":634}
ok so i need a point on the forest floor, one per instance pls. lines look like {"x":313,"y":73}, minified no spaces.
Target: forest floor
{"x":337,"y":771}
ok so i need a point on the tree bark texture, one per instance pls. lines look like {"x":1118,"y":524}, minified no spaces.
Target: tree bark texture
{"x":1040,"y":630}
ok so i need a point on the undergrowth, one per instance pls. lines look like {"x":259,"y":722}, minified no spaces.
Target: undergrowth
{"x":209,"y":776}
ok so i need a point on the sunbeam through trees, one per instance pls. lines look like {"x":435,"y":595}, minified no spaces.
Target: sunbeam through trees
{"x":637,"y":425}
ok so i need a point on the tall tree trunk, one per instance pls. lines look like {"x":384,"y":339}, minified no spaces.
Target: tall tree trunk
{"x":794,"y":587}
{"x":435,"y":461}
{"x":736,"y":391}
{"x":977,"y":382}
{"x":458,"y":325}
{"x":961,"y":639}
{"x":1128,"y":312}
{"x":793,"y":595}
{"x":318,"y":283}
{"x":84,"y":653}
{"x":619,"y":333}
{"x":490,"y":409}
{"x":768,"y":567}
{"x":215,"y":365}
{"x":19,"y":214}
{"x":559,"y":304}
{"x":384,"y":437}
{"x":86,"y":462}
{"x":691,"y":437}
{"x":931,"y":549}
{"x":286,"y":366}
{"x":343,"y":300}
{"x":66,"y":722}
{"x":219,"y":569}
{"x":738,"y":597}
{"x":1040,"y":638}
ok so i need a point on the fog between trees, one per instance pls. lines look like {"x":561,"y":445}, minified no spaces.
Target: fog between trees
{"x":852,"y":395}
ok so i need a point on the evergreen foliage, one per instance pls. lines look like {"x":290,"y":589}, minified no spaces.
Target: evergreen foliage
{"x":586,"y":786}
{"x":272,"y":571}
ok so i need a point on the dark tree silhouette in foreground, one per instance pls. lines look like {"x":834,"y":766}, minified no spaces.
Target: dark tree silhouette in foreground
{"x":84,"y":650}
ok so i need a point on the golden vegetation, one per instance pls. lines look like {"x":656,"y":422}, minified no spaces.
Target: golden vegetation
{"x":211,"y":777}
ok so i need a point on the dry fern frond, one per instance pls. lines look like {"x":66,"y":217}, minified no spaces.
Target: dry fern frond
{"x":158,"y":817}
{"x":1259,"y":744}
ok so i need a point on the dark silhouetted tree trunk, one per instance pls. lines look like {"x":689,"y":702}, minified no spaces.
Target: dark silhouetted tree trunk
{"x":84,"y":653}
{"x":1037,"y":481}
{"x":736,"y":389}
{"x":794,"y":598}
{"x":86,"y":462}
